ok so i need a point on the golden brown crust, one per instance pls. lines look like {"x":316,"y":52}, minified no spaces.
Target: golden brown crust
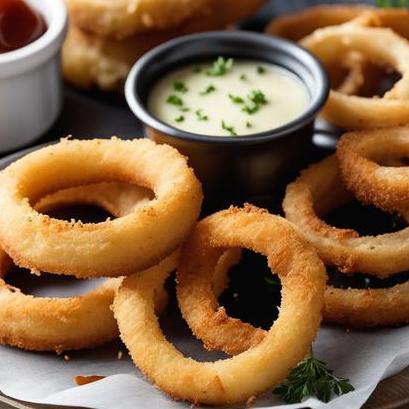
{"x":318,"y":190}
{"x":359,"y":156}
{"x":59,"y":324}
{"x":287,"y":342}
{"x":355,"y":112}
{"x":89,"y":60}
{"x":112,"y":248}
{"x":367,"y":308}
{"x":297,"y":25}
{"x":123,"y":18}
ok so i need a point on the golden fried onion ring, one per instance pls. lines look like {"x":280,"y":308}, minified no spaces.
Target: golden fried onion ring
{"x":111,"y":248}
{"x":357,"y":308}
{"x":59,"y":324}
{"x":89,"y":60}
{"x":122,"y":18}
{"x":354,"y":112}
{"x":299,"y":24}
{"x":259,"y":368}
{"x":318,"y":190}
{"x":369,"y":307}
{"x":359,"y":155}
{"x":360,"y":74}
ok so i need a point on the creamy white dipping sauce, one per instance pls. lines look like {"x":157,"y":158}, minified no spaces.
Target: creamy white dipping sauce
{"x":227,"y":98}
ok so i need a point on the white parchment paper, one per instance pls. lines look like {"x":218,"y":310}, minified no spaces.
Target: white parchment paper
{"x":363,"y":357}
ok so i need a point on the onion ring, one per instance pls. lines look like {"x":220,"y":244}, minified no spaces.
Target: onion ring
{"x":314,"y":193}
{"x":354,"y":112}
{"x":357,"y":308}
{"x":361,"y":75}
{"x":367,"y":308}
{"x":119,"y":199}
{"x":299,"y":24}
{"x":287,"y":342}
{"x":112,"y":248}
{"x":89,"y":60}
{"x":59,"y":324}
{"x":384,"y":186}
{"x":123,"y":18}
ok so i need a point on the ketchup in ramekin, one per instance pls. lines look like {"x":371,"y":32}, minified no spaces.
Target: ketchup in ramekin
{"x":20,"y":25}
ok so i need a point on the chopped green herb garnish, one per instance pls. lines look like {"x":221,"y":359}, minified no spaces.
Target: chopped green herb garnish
{"x":201,"y":116}
{"x":249,"y":124}
{"x":220,"y":67}
{"x":230,"y":129}
{"x":180,"y":118}
{"x":197,"y":69}
{"x":255,"y":100}
{"x":236,"y":99}
{"x":311,"y":377}
{"x":257,"y":97}
{"x":260,"y":69}
{"x":208,"y":90}
{"x":392,"y":3}
{"x":243,"y":77}
{"x":184,"y":109}
{"x":180,"y":86}
{"x":174,"y":100}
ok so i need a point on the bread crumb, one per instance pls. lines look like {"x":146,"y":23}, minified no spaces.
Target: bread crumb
{"x":84,"y":380}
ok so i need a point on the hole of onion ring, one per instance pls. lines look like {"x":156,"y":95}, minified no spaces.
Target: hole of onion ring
{"x":378,"y":79}
{"x":357,"y":280}
{"x":51,"y":285}
{"x":366,"y":220}
{"x":176,"y":330}
{"x":254,"y":293}
{"x":84,"y":212}
{"x":253,"y":296}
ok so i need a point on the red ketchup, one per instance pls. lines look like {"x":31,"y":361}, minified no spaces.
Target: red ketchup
{"x":19,"y":25}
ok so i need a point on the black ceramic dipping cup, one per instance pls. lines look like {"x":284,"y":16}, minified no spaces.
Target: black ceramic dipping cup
{"x":237,"y":168}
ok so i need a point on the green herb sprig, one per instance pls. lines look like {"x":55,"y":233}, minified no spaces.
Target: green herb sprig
{"x":180,"y":86}
{"x":220,"y":67}
{"x":236,"y":99}
{"x":180,"y":118}
{"x":230,"y":129}
{"x":392,"y":3}
{"x":209,"y":89}
{"x":174,"y":100}
{"x":201,"y":116}
{"x":255,"y":99}
{"x":260,"y":69}
{"x":311,"y":377}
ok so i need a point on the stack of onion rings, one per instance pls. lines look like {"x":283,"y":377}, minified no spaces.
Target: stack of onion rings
{"x":317,"y":191}
{"x":59,"y":324}
{"x":94,"y":56}
{"x":332,"y":33}
{"x":124,"y":18}
{"x":303,"y":280}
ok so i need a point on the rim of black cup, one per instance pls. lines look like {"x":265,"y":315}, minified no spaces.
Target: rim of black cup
{"x":238,"y":44}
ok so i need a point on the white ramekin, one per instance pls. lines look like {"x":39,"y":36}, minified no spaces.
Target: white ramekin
{"x":30,"y":81}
